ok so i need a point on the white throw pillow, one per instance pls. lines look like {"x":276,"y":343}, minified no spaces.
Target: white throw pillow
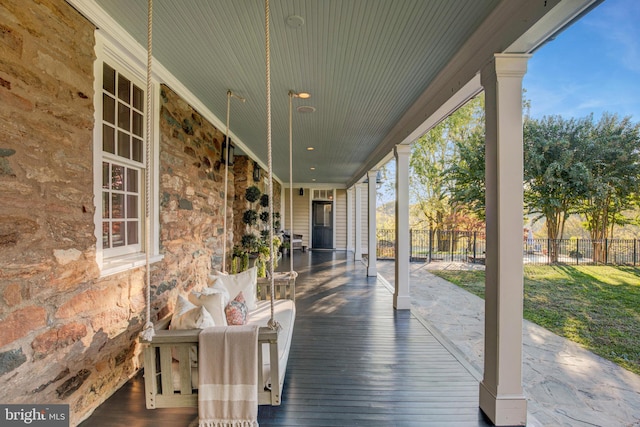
{"x":213,"y":301}
{"x":245,"y":282}
{"x":189,"y":316}
{"x":216,"y":286}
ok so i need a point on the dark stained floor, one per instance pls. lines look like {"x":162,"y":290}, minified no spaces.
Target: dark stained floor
{"x":354,"y":361}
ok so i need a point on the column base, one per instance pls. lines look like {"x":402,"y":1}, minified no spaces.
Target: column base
{"x":401,"y":302}
{"x":503,"y":411}
{"x":372,"y":272}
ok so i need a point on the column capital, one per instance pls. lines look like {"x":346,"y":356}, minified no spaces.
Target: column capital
{"x":402,"y":150}
{"x":372,"y":173}
{"x":505,"y":65}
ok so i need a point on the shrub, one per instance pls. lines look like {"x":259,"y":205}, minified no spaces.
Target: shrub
{"x":252,"y":193}
{"x":250,"y":217}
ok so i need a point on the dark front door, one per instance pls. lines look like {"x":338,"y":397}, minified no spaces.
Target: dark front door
{"x":322,"y":225}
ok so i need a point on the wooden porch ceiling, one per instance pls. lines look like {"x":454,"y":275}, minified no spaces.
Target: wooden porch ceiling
{"x":377,"y":71}
{"x":354,"y":361}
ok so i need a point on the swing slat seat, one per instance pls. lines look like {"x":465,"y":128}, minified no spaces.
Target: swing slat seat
{"x":171,"y":377}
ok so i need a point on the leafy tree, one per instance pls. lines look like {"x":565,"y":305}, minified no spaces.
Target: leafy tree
{"x":466,"y":177}
{"x":554,"y":175}
{"x":431,"y":156}
{"x":612,"y":156}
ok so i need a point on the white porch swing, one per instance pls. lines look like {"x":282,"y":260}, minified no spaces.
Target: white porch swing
{"x":171,"y":379}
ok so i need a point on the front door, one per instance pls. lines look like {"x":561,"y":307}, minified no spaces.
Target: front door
{"x":322,"y":225}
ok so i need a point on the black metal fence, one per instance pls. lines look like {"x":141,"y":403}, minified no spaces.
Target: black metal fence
{"x":469,"y":246}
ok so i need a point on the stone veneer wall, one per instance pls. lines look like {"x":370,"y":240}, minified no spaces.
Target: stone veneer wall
{"x":68,"y":335}
{"x":192,"y":200}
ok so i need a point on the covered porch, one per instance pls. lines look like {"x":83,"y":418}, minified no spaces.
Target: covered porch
{"x":74,"y":282}
{"x":354,"y":361}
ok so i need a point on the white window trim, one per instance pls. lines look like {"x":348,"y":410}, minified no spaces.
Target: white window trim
{"x":117,"y":57}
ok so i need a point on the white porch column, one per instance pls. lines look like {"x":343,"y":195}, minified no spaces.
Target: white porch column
{"x":401,"y":300}
{"x":372,"y":245}
{"x":349,"y":219}
{"x":501,"y":395}
{"x":357,"y":255}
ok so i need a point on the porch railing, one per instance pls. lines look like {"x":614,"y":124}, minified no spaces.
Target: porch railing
{"x":470,"y":246}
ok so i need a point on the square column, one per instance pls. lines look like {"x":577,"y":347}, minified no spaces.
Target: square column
{"x":372,"y":238}
{"x":501,"y":395}
{"x":401,"y":299}
{"x":357,"y":255}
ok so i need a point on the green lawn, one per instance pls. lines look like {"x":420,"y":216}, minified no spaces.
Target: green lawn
{"x":595,"y":306}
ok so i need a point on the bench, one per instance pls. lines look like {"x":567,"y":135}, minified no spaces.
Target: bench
{"x":295,"y":242}
{"x":171,"y":379}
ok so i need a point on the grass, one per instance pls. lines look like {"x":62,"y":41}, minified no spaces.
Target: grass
{"x":595,"y":306}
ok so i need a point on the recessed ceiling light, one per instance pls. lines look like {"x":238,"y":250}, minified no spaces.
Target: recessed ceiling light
{"x":295,"y":21}
{"x":312,"y":168}
{"x":313,"y":179}
{"x":310,"y":148}
{"x":304,"y":95}
{"x":305,"y":109}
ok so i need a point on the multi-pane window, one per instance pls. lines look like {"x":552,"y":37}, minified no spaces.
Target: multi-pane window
{"x":123,"y":151}
{"x":322,"y":194}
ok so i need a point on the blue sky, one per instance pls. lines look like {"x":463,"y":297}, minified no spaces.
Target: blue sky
{"x":592,"y":67}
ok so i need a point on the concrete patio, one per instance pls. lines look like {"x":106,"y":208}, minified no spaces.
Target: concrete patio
{"x":565,"y":384}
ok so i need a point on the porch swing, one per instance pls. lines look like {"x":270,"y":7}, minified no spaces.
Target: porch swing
{"x":170,"y":371}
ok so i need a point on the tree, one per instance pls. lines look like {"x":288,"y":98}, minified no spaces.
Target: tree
{"x":466,"y":177}
{"x":554,"y":175}
{"x":431,"y":157}
{"x":612,"y":156}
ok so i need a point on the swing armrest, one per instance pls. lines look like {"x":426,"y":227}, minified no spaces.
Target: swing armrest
{"x":186,"y":336}
{"x":284,"y":284}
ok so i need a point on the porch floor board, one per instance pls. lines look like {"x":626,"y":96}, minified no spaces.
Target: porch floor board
{"x":354,"y":361}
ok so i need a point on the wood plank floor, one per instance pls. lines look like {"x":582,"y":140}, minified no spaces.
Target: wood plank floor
{"x":354,"y":361}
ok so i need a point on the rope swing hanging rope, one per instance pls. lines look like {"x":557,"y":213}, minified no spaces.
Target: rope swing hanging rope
{"x":272,"y":322}
{"x":148,"y":332}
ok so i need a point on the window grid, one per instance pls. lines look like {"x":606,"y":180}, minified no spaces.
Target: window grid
{"x":123,"y":162}
{"x":322,"y":194}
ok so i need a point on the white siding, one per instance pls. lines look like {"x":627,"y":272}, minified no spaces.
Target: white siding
{"x":340,"y":225}
{"x":301,"y":216}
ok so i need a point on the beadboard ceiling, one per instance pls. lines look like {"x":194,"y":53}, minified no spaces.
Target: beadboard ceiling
{"x":375,"y":69}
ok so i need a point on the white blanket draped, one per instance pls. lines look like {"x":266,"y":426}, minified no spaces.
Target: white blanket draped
{"x":228,"y":376}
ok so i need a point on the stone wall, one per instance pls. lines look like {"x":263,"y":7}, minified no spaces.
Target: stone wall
{"x":56,"y":346}
{"x":192,"y":200}
{"x":68,"y":335}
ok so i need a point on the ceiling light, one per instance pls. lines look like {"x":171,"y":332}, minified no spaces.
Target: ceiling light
{"x":305,"y":109}
{"x":312,"y":168}
{"x":301,"y":95}
{"x":310,"y":148}
{"x":313,"y":179}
